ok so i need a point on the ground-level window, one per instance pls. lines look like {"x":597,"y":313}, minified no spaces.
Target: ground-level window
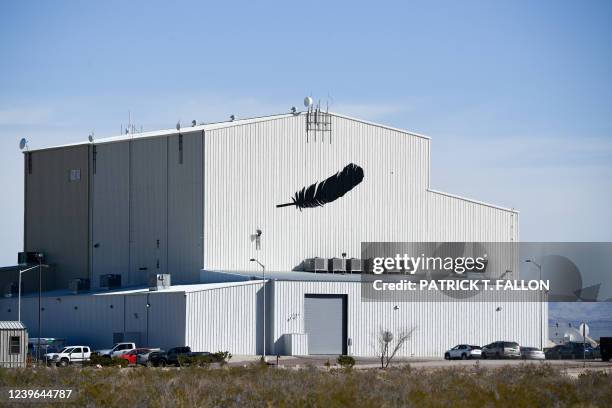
{"x":14,"y":345}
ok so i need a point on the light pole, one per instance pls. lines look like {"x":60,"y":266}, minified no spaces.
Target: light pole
{"x":263,"y":268}
{"x":19,"y":293}
{"x":540,"y":296}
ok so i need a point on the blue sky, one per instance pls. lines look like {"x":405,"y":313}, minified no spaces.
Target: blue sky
{"x":517,"y":96}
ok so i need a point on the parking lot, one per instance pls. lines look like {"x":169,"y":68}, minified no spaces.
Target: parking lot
{"x":425,"y":363}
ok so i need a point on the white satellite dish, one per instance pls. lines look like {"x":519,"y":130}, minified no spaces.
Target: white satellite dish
{"x":23,"y":143}
{"x":308,"y":101}
{"x":584,"y":329}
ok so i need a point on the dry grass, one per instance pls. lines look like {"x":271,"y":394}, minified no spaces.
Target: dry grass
{"x":522,"y":386}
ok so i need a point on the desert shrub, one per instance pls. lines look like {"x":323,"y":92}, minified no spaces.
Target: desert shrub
{"x":519,"y":386}
{"x":345,"y":361}
{"x":220,"y":357}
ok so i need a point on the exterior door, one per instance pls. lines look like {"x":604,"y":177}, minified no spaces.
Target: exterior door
{"x":325,"y":323}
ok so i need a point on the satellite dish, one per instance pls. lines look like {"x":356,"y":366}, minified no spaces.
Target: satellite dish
{"x":90,"y":138}
{"x":178,"y":125}
{"x":23,"y":143}
{"x":308,"y":102}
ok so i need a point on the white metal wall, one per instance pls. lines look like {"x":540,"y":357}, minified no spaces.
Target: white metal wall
{"x":438,"y":325}
{"x":7,"y":359}
{"x":250,"y":169}
{"x":92,"y":319}
{"x":226,"y":319}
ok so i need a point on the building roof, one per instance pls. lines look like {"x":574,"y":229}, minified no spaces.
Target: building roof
{"x":249,"y":276}
{"x":212,"y":126}
{"x":11,"y":325}
{"x":133,"y":290}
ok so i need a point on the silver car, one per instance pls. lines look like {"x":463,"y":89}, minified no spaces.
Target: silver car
{"x":501,"y":349}
{"x":532,"y":353}
{"x":143,"y":359}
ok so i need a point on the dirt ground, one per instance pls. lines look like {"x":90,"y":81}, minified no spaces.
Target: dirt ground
{"x":572,"y":366}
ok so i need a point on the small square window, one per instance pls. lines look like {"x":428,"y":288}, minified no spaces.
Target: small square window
{"x":15,"y":345}
{"x":75,"y":174}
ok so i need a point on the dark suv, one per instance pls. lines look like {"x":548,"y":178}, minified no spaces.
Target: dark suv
{"x":571,"y":350}
{"x":171,"y":357}
{"x":501,"y":349}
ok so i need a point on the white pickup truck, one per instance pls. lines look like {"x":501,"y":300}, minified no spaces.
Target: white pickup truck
{"x":69,"y":355}
{"x":117,"y":350}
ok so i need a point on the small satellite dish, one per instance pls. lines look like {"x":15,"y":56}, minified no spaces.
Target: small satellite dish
{"x":178,"y":125}
{"x":232,"y":118}
{"x":293,"y":110}
{"x":193,"y":123}
{"x":308,"y":102}
{"x":90,"y":137}
{"x":23,"y":143}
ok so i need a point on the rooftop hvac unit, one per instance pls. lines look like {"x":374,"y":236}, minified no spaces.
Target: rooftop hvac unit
{"x":29,"y":257}
{"x":353,"y":265}
{"x":159,"y":281}
{"x":79,"y":285}
{"x":315,"y":265}
{"x":337,"y":265}
{"x":110,"y":281}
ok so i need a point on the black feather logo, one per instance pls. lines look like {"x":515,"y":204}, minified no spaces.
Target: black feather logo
{"x":328,"y":190}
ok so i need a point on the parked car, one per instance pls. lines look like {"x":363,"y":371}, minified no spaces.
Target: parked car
{"x":501,"y":349}
{"x":463,"y":351}
{"x":605,"y":348}
{"x":597,"y":352}
{"x":132,"y":355}
{"x":532,"y":353}
{"x":171,"y":357}
{"x":143,"y":359}
{"x":571,"y":350}
{"x":117,"y":350}
{"x":69,"y":355}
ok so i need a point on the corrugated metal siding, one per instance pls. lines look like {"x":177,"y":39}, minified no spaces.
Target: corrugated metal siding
{"x":7,"y":359}
{"x":92,"y":319}
{"x":438,"y":325}
{"x":57,"y":212}
{"x":453,"y":219}
{"x":185,"y":214}
{"x":250,"y":169}
{"x":148,"y":209}
{"x":226,"y":319}
{"x":110,"y":211}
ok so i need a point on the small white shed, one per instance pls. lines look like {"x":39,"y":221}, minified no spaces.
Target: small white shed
{"x":13,"y":344}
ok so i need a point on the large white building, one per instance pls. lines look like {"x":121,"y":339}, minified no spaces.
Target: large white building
{"x":188,"y":203}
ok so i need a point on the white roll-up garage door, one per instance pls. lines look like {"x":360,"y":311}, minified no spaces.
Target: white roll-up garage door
{"x":325,"y":323}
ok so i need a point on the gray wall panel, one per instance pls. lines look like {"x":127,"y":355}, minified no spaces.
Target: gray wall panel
{"x":110,"y":211}
{"x":148,"y":209}
{"x":185,"y":207}
{"x":57,"y":212}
